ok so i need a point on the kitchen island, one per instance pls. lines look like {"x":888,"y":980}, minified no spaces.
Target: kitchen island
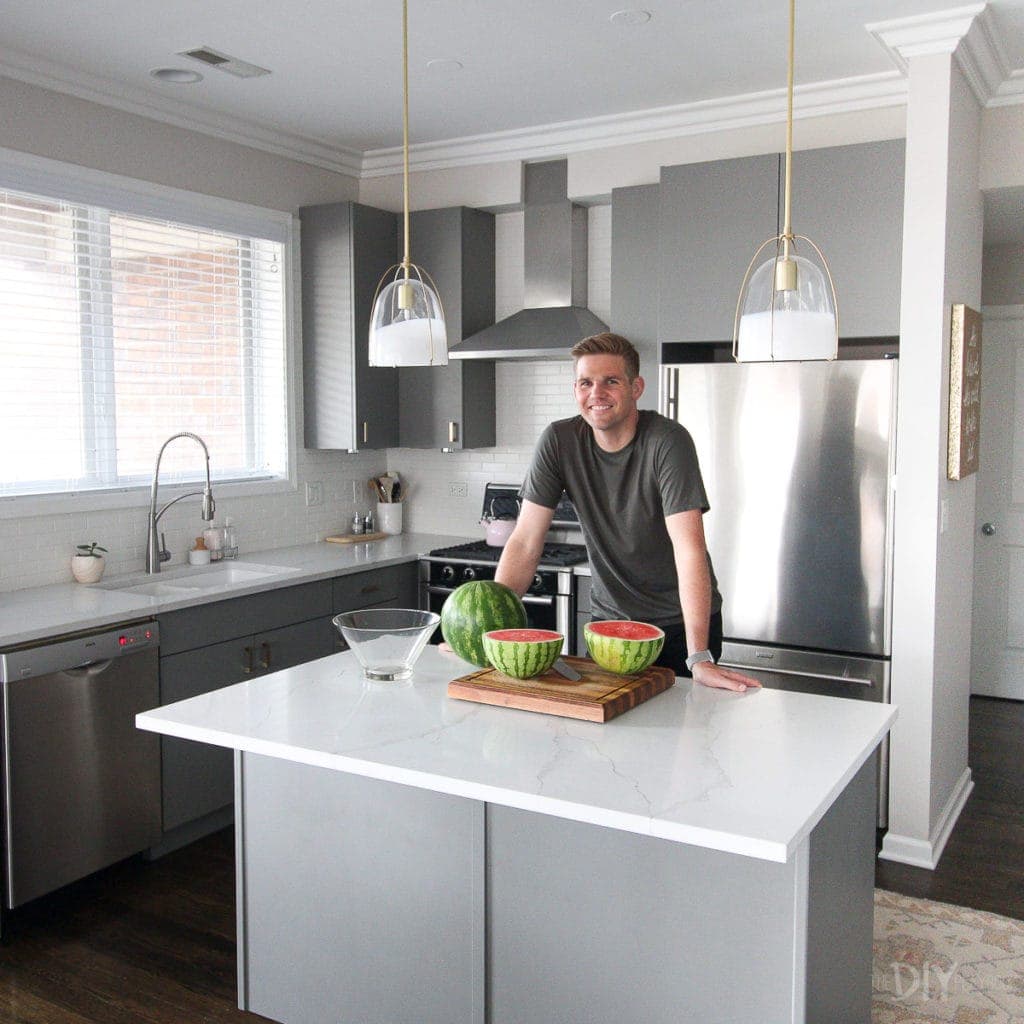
{"x":406,"y":857}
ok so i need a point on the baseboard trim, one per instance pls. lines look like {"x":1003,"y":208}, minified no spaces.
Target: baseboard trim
{"x":921,"y":853}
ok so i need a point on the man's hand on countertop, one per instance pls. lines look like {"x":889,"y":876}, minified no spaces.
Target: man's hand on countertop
{"x":708,"y":674}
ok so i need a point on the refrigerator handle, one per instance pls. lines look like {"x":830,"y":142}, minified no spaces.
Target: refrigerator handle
{"x":670,"y":392}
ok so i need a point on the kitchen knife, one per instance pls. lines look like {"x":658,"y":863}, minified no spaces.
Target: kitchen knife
{"x":564,"y":669}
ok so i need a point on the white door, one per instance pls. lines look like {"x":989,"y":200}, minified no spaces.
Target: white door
{"x":997,"y":651}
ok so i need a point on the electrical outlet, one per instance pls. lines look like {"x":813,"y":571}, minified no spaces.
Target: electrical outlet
{"x":314,"y":493}
{"x":458,"y":489}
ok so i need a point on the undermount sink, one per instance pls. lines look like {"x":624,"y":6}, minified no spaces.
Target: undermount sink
{"x":190,"y":579}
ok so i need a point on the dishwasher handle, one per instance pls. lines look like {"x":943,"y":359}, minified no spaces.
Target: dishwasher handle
{"x":76,"y":651}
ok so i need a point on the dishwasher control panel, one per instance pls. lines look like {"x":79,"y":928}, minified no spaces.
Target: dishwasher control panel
{"x":76,"y":650}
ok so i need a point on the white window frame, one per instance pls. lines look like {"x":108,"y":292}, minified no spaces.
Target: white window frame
{"x":53,"y":178}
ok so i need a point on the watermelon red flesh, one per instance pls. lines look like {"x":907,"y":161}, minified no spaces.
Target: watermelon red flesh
{"x":524,"y":636}
{"x":626,"y":630}
{"x":623,"y":646}
{"x":476,"y":608}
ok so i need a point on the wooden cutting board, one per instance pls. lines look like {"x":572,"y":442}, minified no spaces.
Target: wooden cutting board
{"x":355,"y":538}
{"x":597,"y":697}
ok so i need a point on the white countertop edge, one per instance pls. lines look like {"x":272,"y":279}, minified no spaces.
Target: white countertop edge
{"x":711,"y":839}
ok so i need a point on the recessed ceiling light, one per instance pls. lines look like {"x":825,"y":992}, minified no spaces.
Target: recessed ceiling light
{"x":444,"y":65}
{"x":630,"y":17}
{"x":179,"y":76}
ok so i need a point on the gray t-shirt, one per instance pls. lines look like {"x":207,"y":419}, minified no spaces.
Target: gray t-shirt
{"x":622,"y":499}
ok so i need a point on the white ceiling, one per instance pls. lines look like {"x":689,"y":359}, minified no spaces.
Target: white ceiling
{"x":336,"y":65}
{"x":334,"y":94}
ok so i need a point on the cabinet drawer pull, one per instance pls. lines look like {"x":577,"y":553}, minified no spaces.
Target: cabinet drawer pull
{"x":453,"y":432}
{"x":366,"y":432}
{"x":370,"y":588}
{"x":247,"y":662}
{"x":265,"y":660}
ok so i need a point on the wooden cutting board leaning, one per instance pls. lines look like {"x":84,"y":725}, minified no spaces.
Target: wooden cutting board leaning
{"x":597,"y":697}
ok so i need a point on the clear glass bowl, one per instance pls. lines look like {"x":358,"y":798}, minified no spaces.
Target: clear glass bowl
{"x":387,"y":641}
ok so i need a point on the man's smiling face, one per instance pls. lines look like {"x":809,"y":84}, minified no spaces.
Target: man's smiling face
{"x":604,"y":393}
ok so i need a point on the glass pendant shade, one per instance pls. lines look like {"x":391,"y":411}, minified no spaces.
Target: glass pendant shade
{"x":786,"y":310}
{"x":407,"y":325}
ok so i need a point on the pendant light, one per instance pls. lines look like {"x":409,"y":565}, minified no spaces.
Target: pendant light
{"x":787,"y":306}
{"x":407,"y":325}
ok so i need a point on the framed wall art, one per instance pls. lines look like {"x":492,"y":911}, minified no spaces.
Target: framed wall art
{"x":964,"y":392}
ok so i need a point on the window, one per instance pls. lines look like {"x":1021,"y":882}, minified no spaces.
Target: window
{"x":118,"y":330}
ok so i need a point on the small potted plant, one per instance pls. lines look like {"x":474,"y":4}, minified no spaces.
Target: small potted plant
{"x":87,"y":564}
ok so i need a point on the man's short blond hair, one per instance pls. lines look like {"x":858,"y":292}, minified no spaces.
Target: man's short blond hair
{"x":609,"y":344}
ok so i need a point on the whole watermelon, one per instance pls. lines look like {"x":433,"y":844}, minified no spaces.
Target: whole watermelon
{"x":476,"y":608}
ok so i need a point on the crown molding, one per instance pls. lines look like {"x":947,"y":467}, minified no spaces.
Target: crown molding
{"x":885,"y":89}
{"x":969,"y":33}
{"x":36,"y":71}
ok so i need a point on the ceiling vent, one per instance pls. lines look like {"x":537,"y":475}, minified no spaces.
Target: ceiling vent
{"x":224,"y":62}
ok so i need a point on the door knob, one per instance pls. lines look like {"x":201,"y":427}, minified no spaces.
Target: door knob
{"x":988,"y":529}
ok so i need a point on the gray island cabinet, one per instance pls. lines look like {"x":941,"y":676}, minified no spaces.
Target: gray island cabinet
{"x":405,"y":857}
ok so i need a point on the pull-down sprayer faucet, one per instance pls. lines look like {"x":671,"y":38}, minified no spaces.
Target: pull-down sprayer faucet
{"x":156,"y":550}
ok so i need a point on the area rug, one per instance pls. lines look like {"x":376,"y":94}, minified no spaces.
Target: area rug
{"x":935,"y":963}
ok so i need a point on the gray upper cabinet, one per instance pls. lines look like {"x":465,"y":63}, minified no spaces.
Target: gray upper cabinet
{"x":849,"y":201}
{"x":712,"y":218}
{"x":452,"y":407}
{"x":634,"y":308}
{"x":346,"y":247}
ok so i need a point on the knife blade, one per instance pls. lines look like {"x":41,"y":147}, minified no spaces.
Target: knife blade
{"x":566,"y":670}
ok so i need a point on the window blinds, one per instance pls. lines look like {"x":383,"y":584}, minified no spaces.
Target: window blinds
{"x":118,"y":330}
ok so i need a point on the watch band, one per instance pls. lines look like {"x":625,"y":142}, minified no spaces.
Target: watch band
{"x":697,"y":657}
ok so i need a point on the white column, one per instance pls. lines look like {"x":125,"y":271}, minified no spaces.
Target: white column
{"x":934,"y":536}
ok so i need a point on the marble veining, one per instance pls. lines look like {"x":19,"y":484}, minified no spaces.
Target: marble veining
{"x":745,"y":773}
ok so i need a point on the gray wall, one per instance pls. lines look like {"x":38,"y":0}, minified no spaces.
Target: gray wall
{"x":1002,"y":278}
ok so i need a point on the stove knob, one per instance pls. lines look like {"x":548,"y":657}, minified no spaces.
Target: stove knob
{"x":538,"y":584}
{"x":448,"y":574}
{"x":469,"y":573}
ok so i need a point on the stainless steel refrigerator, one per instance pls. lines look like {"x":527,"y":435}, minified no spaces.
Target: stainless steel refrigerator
{"x":799,"y":464}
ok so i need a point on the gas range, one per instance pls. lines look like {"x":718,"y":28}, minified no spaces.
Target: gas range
{"x":481,"y":551}
{"x":550,"y":598}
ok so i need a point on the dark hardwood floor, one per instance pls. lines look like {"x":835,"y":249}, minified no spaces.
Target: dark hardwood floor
{"x":983,"y":863}
{"x":154,"y":942}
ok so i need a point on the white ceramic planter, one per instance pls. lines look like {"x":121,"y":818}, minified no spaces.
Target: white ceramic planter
{"x":87,"y":569}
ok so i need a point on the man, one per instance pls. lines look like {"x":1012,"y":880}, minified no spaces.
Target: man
{"x":635,"y":481}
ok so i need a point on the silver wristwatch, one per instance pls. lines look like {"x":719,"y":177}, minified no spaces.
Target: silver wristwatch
{"x":697,"y":657}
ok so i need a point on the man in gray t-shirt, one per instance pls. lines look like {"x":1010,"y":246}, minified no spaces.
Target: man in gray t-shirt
{"x":635,"y":481}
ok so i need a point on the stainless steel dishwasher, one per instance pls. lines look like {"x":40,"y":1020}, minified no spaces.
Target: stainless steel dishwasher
{"x":81,"y":785}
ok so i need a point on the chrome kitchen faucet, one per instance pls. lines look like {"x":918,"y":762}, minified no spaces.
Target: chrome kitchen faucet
{"x":156,"y":551}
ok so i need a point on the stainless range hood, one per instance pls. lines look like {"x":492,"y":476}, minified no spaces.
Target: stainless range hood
{"x":555,"y":277}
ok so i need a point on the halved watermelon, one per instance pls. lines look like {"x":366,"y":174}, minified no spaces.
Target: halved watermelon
{"x":622,"y":645}
{"x":522,"y":653}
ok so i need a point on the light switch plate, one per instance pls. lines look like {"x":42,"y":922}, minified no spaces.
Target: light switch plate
{"x":314,"y":493}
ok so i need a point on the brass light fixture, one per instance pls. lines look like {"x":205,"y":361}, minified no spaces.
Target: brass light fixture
{"x":787,"y":306}
{"x":407,"y":325}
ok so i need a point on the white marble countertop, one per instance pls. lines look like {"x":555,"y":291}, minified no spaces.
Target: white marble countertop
{"x":44,"y":612}
{"x":749,"y":773}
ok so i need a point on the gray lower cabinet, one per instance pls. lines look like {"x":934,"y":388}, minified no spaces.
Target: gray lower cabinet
{"x":452,"y":407}
{"x":348,"y":404}
{"x":364,"y":900}
{"x":635,"y":268}
{"x":215,"y":645}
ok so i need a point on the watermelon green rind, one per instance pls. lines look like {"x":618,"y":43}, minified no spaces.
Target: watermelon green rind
{"x":619,"y":653}
{"x":476,"y":608}
{"x":522,"y":659}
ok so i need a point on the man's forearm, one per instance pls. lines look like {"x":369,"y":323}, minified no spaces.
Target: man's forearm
{"x":518,"y":563}
{"x":695,"y":600}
